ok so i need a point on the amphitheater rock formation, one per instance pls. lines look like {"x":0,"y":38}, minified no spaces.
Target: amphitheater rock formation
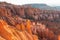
{"x":25,"y":32}
{"x":27,"y":23}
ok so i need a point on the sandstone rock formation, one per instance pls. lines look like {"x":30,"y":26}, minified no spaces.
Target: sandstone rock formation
{"x":27,"y":23}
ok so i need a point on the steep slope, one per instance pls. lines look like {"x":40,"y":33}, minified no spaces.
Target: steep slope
{"x":11,"y":33}
{"x":27,"y":23}
{"x":30,"y":32}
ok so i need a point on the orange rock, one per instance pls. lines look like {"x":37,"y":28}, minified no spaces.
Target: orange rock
{"x":6,"y":32}
{"x":3,"y":31}
{"x":58,"y":37}
{"x":1,"y":38}
{"x":28,"y":26}
{"x":22,"y":26}
{"x":35,"y":37}
{"x":29,"y":36}
{"x":18,"y":26}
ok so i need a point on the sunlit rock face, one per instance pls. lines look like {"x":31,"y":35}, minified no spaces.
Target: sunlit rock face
{"x":27,"y":23}
{"x":25,"y":31}
{"x":14,"y":33}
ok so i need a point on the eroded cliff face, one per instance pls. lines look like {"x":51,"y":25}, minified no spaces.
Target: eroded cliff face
{"x":27,"y":23}
{"x":25,"y":31}
{"x":14,"y":33}
{"x":9,"y":10}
